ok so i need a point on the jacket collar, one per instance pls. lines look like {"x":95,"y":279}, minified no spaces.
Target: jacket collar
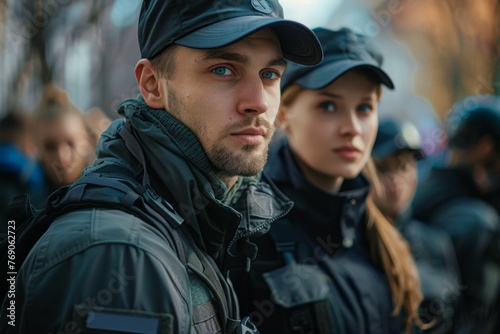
{"x":340,"y":215}
{"x":177,"y":158}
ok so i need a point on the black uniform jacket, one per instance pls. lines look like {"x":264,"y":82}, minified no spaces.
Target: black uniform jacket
{"x":327,"y":261}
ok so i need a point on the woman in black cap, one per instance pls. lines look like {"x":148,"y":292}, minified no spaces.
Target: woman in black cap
{"x":334,"y":264}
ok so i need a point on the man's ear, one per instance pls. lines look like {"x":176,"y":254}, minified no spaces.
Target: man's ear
{"x":148,"y":81}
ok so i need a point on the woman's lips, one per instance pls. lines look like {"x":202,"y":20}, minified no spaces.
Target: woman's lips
{"x":349,"y":153}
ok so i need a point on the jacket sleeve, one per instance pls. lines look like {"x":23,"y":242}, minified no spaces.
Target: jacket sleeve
{"x":102,"y":270}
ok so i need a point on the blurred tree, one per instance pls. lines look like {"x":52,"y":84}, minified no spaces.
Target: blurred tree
{"x":455,"y":42}
{"x":87,"y":47}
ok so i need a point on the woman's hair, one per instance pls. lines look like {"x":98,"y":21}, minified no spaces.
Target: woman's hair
{"x":388,"y":249}
{"x":54,"y":104}
{"x":164,"y":62}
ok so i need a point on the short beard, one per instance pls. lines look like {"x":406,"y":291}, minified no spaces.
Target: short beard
{"x":228,"y":162}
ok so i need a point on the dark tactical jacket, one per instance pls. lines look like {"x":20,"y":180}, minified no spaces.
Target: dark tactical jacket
{"x":101,"y":268}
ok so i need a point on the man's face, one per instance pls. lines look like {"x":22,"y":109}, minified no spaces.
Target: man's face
{"x":398,"y":176}
{"x":229,"y":98}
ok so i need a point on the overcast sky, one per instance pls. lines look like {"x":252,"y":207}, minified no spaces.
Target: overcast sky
{"x":312,"y":13}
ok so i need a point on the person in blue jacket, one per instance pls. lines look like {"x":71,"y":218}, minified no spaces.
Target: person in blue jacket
{"x":333,"y":264}
{"x":19,"y":171}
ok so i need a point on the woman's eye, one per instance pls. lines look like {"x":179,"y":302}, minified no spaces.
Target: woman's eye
{"x":365,"y":108}
{"x":327,"y":106}
{"x":403,"y":167}
{"x":222,"y":70}
{"x":50,"y":146}
{"x":270,"y":75}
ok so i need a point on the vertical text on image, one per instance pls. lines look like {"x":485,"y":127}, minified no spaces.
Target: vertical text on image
{"x":11,"y":272}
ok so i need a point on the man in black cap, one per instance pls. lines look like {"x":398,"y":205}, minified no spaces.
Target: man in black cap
{"x":460,"y":198}
{"x":195,"y":140}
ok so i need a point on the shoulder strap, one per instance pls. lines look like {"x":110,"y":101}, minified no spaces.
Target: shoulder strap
{"x":286,"y":238}
{"x":99,"y":190}
{"x":206,"y":266}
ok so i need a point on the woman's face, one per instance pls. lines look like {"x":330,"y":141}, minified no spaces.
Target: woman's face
{"x":64,"y":146}
{"x":332,"y":130}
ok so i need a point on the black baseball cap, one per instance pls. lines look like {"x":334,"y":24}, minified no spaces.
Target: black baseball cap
{"x":394,"y":137}
{"x":471,"y":118}
{"x":343,"y":50}
{"x":203,"y":24}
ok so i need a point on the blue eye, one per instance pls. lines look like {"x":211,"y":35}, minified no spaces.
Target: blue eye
{"x":327,"y":106}
{"x":222,"y":70}
{"x":365,"y":108}
{"x":270,"y":75}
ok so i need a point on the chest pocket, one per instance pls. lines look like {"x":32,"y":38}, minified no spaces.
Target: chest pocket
{"x":305,"y":294}
{"x":304,"y":291}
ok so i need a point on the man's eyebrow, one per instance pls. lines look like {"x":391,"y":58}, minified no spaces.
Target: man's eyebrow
{"x":280,"y":61}
{"x":225,"y":55}
{"x":238,"y":57}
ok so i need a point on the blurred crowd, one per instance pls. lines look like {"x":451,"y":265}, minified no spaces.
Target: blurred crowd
{"x":46,"y":149}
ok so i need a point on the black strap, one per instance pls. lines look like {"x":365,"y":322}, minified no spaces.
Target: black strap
{"x":135,"y":149}
{"x":285,"y":237}
{"x":156,"y":202}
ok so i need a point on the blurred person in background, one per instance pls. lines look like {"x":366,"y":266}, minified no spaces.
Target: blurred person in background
{"x":65,"y":142}
{"x":19,"y":171}
{"x":460,"y":199}
{"x":97,"y":121}
{"x":334,"y":264}
{"x":395,"y":155}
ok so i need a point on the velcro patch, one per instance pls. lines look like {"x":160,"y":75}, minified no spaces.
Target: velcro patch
{"x":99,"y":320}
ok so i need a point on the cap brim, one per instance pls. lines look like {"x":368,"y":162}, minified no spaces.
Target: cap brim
{"x":323,"y":75}
{"x":385,"y":150}
{"x":298,"y":43}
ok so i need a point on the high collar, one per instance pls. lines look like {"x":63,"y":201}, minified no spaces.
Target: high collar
{"x":180,"y":168}
{"x":161,"y":129}
{"x":340,"y":215}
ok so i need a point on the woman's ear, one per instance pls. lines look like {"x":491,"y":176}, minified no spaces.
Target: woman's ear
{"x":281,"y":118}
{"x":148,"y":81}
